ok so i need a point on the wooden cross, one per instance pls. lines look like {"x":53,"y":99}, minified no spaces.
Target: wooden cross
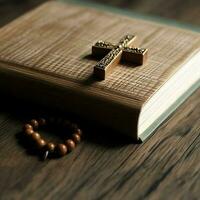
{"x":112,"y":54}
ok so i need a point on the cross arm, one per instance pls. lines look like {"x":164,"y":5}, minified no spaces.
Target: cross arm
{"x":114,"y":53}
{"x":102,"y":48}
{"x":106,"y":65}
{"x":127,"y":41}
{"x":134,"y":55}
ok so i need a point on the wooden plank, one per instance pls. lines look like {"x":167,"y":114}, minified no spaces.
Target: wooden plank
{"x":167,"y":164}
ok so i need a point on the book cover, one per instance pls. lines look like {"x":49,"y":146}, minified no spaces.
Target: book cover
{"x":48,"y":52}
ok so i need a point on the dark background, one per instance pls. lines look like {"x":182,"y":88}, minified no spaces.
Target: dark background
{"x":187,"y":11}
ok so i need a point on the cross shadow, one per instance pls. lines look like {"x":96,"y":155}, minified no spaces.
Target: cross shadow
{"x":91,"y":57}
{"x":90,"y":80}
{"x":129,"y":64}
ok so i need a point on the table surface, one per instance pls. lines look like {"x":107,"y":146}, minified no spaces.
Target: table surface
{"x":105,"y":167}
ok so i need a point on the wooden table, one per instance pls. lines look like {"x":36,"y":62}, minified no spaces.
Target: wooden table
{"x":187,"y":11}
{"x":167,"y":166}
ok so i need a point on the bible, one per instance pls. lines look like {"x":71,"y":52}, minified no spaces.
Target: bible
{"x":47,"y":56}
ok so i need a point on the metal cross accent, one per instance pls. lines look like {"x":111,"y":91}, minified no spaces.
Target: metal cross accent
{"x":112,"y":54}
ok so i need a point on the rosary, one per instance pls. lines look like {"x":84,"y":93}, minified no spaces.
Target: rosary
{"x":30,"y":132}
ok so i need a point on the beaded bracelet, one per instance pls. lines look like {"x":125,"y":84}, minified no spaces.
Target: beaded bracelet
{"x":48,"y":148}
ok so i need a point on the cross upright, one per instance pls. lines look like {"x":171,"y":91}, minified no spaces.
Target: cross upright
{"x":112,"y":54}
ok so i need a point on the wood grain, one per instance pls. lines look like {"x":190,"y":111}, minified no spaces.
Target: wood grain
{"x":46,"y":41}
{"x":166,"y":166}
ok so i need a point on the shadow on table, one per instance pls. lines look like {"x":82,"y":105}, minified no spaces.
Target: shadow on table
{"x":23,"y":112}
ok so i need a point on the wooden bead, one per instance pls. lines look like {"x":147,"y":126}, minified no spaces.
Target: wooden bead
{"x":34,"y":123}
{"x":61,"y":149}
{"x":35,"y":136}
{"x":28,"y":132}
{"x":40,"y":143}
{"x":78,"y":131}
{"x":76,"y":138}
{"x":27,"y":126}
{"x":70,"y":145}
{"x":50,"y":147}
{"x":42,"y":121}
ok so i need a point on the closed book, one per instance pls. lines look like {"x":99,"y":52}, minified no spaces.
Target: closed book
{"x":45,"y":57}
